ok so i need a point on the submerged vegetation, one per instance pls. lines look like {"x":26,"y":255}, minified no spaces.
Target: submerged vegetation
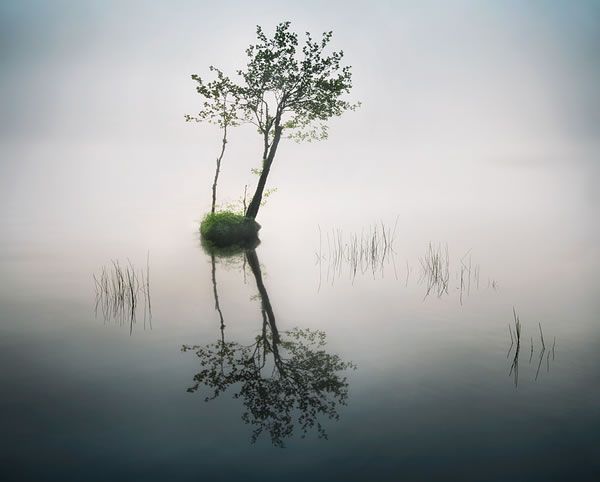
{"x":118,"y":288}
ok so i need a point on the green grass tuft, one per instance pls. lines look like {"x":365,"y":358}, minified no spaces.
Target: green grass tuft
{"x":227,"y":229}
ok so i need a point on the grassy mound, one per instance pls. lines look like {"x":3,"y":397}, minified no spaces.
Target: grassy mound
{"x":229,"y":229}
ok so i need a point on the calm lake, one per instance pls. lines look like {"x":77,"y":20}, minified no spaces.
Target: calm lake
{"x":424,"y":302}
{"x":380,"y":317}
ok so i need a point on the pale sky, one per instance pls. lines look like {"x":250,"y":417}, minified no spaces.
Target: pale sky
{"x":94,"y":91}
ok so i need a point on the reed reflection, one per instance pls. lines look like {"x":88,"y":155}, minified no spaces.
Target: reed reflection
{"x":284,"y":379}
{"x":515,"y":338}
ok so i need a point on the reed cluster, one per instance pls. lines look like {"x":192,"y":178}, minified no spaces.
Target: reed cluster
{"x":468,"y":273}
{"x":435,"y":270}
{"x":515,"y":337}
{"x":365,"y":252}
{"x":118,"y":289}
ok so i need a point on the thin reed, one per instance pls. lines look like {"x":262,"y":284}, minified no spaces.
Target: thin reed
{"x":435,"y":270}
{"x":357,"y":253}
{"x":371,"y":250}
{"x":118,"y":289}
{"x":514,"y":368}
{"x":515,"y":338}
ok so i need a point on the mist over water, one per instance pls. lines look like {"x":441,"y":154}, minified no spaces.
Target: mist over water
{"x":476,"y":144}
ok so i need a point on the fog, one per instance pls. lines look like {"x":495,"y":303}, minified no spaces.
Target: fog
{"x":463,"y":103}
{"x":476,"y":151}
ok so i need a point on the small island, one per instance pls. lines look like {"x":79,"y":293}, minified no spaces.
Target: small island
{"x":226,"y":228}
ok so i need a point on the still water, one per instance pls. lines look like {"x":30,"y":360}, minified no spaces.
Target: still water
{"x":375,"y":335}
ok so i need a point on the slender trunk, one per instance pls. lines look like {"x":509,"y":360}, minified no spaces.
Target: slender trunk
{"x":254,"y":205}
{"x":214,"y":186}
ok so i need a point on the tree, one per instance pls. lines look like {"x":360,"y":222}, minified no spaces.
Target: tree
{"x":285,"y":92}
{"x":221,"y":108}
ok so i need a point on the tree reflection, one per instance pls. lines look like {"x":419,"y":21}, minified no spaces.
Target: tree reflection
{"x":283,"y":379}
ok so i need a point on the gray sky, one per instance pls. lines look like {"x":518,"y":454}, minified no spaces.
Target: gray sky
{"x":91,"y":70}
{"x":94,"y":95}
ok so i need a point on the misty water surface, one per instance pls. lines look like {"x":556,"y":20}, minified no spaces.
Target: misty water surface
{"x":476,"y":144}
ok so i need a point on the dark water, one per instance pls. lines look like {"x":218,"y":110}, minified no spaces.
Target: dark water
{"x":478,"y":135}
{"x":374,"y":378}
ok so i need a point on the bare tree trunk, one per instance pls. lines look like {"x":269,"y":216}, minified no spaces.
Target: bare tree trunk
{"x":214,"y":186}
{"x":254,"y":205}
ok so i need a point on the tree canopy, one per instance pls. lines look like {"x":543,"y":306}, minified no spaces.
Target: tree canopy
{"x":284,"y":91}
